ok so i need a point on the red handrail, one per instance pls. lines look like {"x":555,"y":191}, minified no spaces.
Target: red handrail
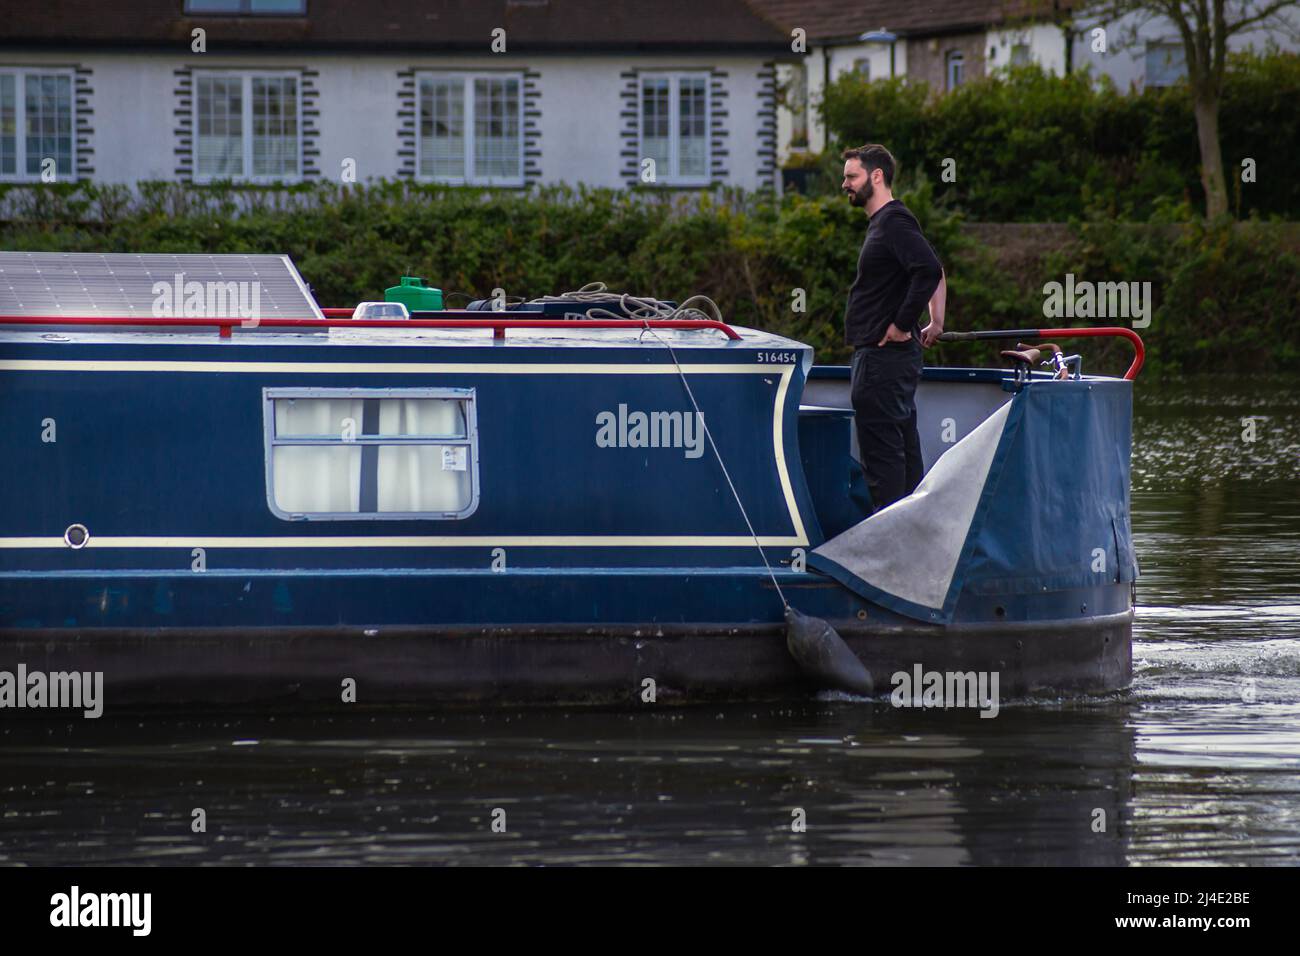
{"x":1139,"y":350}
{"x":498,"y":326}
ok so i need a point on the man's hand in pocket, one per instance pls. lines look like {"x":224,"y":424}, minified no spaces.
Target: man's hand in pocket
{"x":894,"y":334}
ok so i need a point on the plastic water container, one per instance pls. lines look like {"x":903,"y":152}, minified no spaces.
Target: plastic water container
{"x":415,"y":295}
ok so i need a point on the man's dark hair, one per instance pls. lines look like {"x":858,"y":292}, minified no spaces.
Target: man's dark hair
{"x":873,"y":156}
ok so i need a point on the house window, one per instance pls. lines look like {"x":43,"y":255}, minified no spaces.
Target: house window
{"x":955,"y":62}
{"x":471,"y":129}
{"x":336,"y":453}
{"x":246,"y":126}
{"x":797,"y":101}
{"x":1020,"y":54}
{"x":248,"y":7}
{"x":675,"y":126}
{"x":1166,"y":64}
{"x":35,"y":123}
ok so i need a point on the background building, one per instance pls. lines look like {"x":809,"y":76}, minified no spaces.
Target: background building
{"x":490,"y":92}
{"x":945,"y":43}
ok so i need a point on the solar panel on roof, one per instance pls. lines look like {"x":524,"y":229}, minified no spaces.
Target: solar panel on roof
{"x":153,"y":284}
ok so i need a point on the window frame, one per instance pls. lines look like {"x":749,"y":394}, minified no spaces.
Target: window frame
{"x":674,"y":78}
{"x":954,"y":58}
{"x":1163,"y":46}
{"x":20,"y":73}
{"x":468,"y":77}
{"x":270,"y":442}
{"x":246,"y":78}
{"x":798,"y":111}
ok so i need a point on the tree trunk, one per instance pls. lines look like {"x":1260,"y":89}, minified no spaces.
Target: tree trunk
{"x":1206,"y":107}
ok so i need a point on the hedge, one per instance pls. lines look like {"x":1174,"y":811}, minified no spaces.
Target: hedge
{"x":1226,"y":297}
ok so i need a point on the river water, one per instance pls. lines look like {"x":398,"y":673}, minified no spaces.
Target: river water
{"x":1199,"y":762}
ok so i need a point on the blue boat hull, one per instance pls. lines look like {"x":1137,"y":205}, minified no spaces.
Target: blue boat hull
{"x":587,"y":563}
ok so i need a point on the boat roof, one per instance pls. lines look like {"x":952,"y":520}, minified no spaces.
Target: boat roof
{"x":96,"y":298}
{"x":515,"y":337}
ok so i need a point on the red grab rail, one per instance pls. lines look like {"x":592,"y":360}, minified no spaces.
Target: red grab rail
{"x":1139,"y":350}
{"x":335,"y":318}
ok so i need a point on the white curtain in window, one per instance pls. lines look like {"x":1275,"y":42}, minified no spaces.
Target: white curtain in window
{"x":430,"y":417}
{"x":409,"y":478}
{"x":423,"y":478}
{"x":428,"y":477}
{"x":318,"y":417}
{"x":317,"y":478}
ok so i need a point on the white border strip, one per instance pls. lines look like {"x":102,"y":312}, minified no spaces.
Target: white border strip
{"x":367,"y":368}
{"x":413,"y":541}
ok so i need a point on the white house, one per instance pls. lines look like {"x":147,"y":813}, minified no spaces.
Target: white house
{"x":1146,"y":51}
{"x":945,"y":43}
{"x":493,"y":92}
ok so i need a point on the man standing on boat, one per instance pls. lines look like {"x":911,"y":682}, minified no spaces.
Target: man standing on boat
{"x":898,"y":274}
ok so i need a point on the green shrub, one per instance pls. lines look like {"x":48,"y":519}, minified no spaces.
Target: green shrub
{"x":1224,"y":298}
{"x":1033,"y":147}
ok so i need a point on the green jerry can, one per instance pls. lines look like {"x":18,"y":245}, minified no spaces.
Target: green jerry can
{"x":415,"y":295}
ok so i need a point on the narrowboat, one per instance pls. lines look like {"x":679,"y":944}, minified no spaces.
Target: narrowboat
{"x":215,"y":492}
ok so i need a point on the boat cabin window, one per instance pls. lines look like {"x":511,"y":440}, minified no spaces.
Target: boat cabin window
{"x":371,"y":453}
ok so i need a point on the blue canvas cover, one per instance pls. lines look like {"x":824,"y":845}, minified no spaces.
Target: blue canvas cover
{"x":1035,"y":499}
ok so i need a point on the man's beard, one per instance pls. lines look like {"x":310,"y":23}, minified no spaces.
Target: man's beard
{"x":863,"y":195}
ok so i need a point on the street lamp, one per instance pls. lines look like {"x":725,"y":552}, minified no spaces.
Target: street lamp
{"x":882,"y":36}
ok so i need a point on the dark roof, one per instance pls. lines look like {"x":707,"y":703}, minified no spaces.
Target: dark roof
{"x":843,"y":20}
{"x":464,"y":25}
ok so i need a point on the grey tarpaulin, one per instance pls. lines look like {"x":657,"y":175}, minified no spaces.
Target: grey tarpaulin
{"x":1035,"y":499}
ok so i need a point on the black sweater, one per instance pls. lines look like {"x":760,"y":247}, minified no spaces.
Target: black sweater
{"x":898,"y":271}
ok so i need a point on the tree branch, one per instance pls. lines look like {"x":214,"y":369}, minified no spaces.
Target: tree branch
{"x":1269,"y":10}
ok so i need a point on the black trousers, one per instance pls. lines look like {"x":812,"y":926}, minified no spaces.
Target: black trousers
{"x":883,"y":389}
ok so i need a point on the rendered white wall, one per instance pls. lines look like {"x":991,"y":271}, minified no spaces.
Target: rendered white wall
{"x":133,"y":103}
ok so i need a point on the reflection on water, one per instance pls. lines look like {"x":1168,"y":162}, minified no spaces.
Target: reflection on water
{"x":1199,"y":762}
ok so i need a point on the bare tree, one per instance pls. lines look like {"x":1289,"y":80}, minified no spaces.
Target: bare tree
{"x":1204,"y":27}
